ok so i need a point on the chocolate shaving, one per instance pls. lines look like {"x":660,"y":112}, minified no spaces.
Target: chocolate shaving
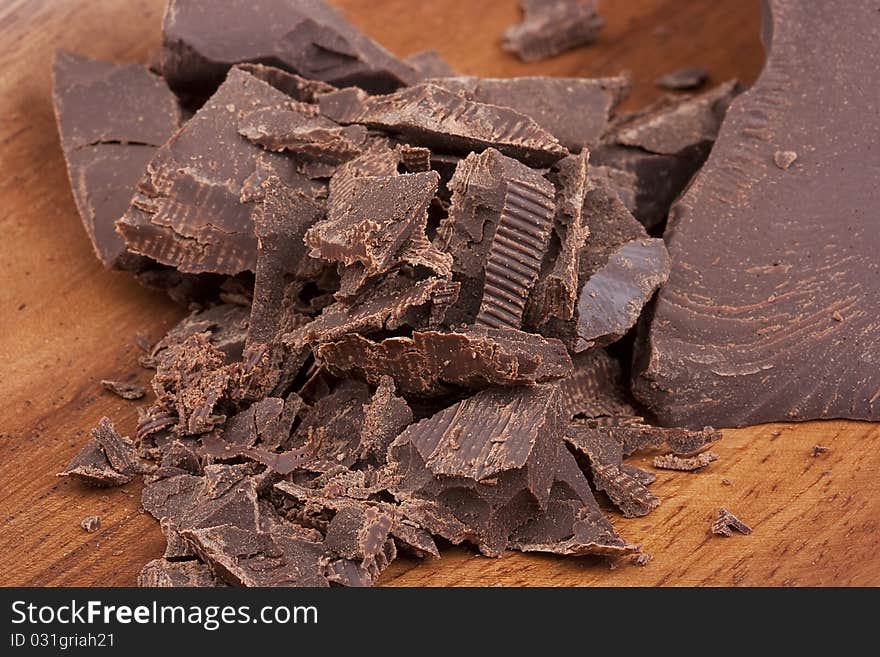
{"x":684,"y":463}
{"x":124,"y":389}
{"x":164,"y":573}
{"x":107,"y":459}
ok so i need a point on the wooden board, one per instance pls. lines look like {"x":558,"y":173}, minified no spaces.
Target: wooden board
{"x":66,"y":323}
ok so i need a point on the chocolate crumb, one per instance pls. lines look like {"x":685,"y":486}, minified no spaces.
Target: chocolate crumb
{"x":684,"y":463}
{"x":641,"y":559}
{"x":726,"y":482}
{"x":726,"y":523}
{"x":691,"y":77}
{"x":124,"y":389}
{"x":91,"y":524}
{"x":818,"y":450}
{"x":784,"y":159}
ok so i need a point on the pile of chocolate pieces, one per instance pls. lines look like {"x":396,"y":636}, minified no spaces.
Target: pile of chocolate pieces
{"x":414,"y":294}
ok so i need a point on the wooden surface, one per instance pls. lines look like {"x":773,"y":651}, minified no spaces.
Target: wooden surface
{"x":66,"y":323}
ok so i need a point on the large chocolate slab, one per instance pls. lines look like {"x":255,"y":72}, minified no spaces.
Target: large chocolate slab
{"x":550,"y":27}
{"x":771,"y":309}
{"x":429,"y":115}
{"x":576,"y":111}
{"x":202,"y":39}
{"x":111,"y":118}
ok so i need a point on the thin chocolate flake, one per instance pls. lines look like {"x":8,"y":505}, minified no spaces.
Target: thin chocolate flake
{"x":430,"y":64}
{"x":683,"y":79}
{"x":161,"y":573}
{"x":641,"y":559}
{"x":818,"y":450}
{"x":108,"y":138}
{"x":124,"y":389}
{"x":200,"y":41}
{"x":474,"y":358}
{"x":726,"y":523}
{"x":551,"y":27}
{"x":429,"y":115}
{"x":385,"y":417}
{"x":684,"y":463}
{"x":596,"y":388}
{"x":414,"y":158}
{"x":107,"y":459}
{"x":91,"y":524}
{"x":299,"y":88}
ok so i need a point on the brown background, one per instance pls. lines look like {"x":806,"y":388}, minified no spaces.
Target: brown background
{"x":65,"y":323}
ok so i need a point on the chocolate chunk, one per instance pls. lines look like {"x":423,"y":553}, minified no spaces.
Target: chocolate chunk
{"x":576,"y":111}
{"x":474,"y":358}
{"x":551,"y":27}
{"x":243,"y":557}
{"x":640,"y":559}
{"x":430,"y":64}
{"x":633,"y":434}
{"x":385,"y":416}
{"x":124,"y":389}
{"x":414,"y":158}
{"x":164,"y":573}
{"x":225,"y":324}
{"x":818,"y":450}
{"x":308,"y":37}
{"x":684,"y":463}
{"x":744,"y":334}
{"x":784,"y":159}
{"x":107,"y":459}
{"x":91,"y":524}
{"x":108,"y":137}
{"x":726,"y":523}
{"x":187,"y":211}
{"x":487,"y":461}
{"x":175,"y":547}
{"x":358,"y":534}
{"x":299,"y":88}
{"x":690,"y":77}
{"x":611,"y":300}
{"x":497,"y":230}
{"x":347,"y":572}
{"x":596,"y":388}
{"x":572,"y":523}
{"x":429,"y":115}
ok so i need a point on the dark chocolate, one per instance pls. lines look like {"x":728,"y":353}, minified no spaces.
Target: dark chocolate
{"x":107,"y":459}
{"x":124,"y":389}
{"x":726,"y":523}
{"x":684,"y":463}
{"x":551,"y":27}
{"x":164,"y":573}
{"x":683,"y":79}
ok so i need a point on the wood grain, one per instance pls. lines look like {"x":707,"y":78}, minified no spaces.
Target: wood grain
{"x":66,"y":323}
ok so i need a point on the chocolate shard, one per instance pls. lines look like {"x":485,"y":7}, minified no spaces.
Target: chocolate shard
{"x":497,"y":230}
{"x":108,"y":138}
{"x":308,"y":37}
{"x":187,"y":211}
{"x":163,"y":573}
{"x":107,"y":459}
{"x":474,"y":358}
{"x":551,"y":27}
{"x":225,"y":325}
{"x":596,"y":388}
{"x":429,"y":115}
{"x":688,"y":78}
{"x":430,"y":64}
{"x":347,"y":572}
{"x":484,"y":465}
{"x":358,"y":533}
{"x":662,"y":147}
{"x":576,"y":111}
{"x":302,"y":89}
{"x":175,"y":547}
{"x":572,"y":524}
{"x":726,"y":523}
{"x":612,"y":299}
{"x":747,"y":334}
{"x":124,"y":389}
{"x":414,"y":158}
{"x":604,"y":452}
{"x":684,"y":463}
{"x":363,"y":227}
{"x":635,"y":435}
{"x":398,"y":300}
{"x":385,"y":417}
{"x":280,"y":224}
{"x":243,"y":557}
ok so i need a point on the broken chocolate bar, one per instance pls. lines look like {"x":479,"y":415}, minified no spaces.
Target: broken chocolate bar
{"x":200,"y":42}
{"x":108,"y":137}
{"x":550,"y":27}
{"x":726,"y":523}
{"x":744,"y":331}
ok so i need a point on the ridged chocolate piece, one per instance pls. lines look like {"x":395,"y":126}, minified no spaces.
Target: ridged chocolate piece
{"x":201,"y":40}
{"x":551,"y":27}
{"x":385,"y":417}
{"x":429,"y":115}
{"x":612,"y":299}
{"x":304,"y":90}
{"x":111,"y":118}
{"x":414,"y":158}
{"x":377,"y":160}
{"x":107,"y":459}
{"x":633,"y":435}
{"x":770,"y":313}
{"x":576,"y":111}
{"x":428,"y":361}
{"x":485,"y":464}
{"x":187,"y":211}
{"x":726,"y":523}
{"x":596,"y":388}
{"x":684,"y":463}
{"x":161,"y":573}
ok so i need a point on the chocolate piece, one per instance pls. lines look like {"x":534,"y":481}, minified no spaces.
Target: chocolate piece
{"x":429,"y":115}
{"x":201,"y":41}
{"x":358,"y":534}
{"x":225,"y":325}
{"x":385,"y":416}
{"x":726,"y":523}
{"x":784,"y":159}
{"x":108,"y":138}
{"x":818,"y":450}
{"x":551,"y":27}
{"x":350,"y":573}
{"x":683,"y":79}
{"x":497,"y":230}
{"x":430,"y":64}
{"x":243,"y":557}
{"x":474,"y":358}
{"x":91,"y":524}
{"x":596,"y":388}
{"x":175,"y":547}
{"x":164,"y":573}
{"x":124,"y":389}
{"x":684,"y":463}
{"x":414,"y":158}
{"x":745,"y":334}
{"x":487,"y":462}
{"x":107,"y":459}
{"x":576,"y":111}
{"x":640,"y":559}
{"x":187,"y":211}
{"x":611,"y":300}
